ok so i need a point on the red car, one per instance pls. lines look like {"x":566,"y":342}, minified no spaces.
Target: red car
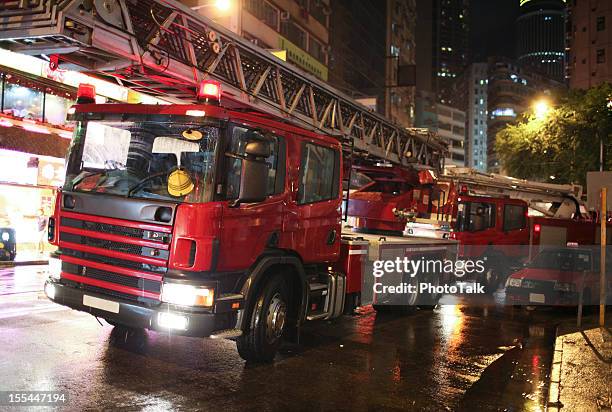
{"x":555,"y":277}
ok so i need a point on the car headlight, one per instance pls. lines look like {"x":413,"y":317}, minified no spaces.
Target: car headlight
{"x":6,"y":236}
{"x":514,"y":282}
{"x":565,"y":287}
{"x":55,"y":268}
{"x":187,"y":295}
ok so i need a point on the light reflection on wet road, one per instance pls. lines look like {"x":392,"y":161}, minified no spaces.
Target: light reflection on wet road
{"x":454,"y":357}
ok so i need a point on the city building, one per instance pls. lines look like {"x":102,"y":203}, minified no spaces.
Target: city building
{"x":358,"y":39}
{"x":511,"y":89}
{"x":590,"y":43}
{"x":373,"y":55}
{"x":540,"y":30}
{"x":297,"y":27}
{"x":447,"y":121}
{"x":442,"y":45}
{"x":471,"y":96}
{"x":400,"y":72}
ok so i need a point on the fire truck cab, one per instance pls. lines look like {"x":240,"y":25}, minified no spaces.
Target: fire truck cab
{"x":202,"y":220}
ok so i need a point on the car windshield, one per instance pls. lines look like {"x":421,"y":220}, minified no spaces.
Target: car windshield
{"x":566,"y":260}
{"x":138,"y":158}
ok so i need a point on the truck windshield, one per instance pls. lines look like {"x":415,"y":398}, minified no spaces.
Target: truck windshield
{"x":138,"y":158}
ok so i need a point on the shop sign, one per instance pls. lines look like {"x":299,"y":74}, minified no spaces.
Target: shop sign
{"x":302,"y":59}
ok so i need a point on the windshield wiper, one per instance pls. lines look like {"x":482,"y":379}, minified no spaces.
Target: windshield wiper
{"x":141,"y":183}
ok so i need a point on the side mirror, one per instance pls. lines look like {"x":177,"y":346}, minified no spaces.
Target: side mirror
{"x":254,"y":176}
{"x":257,"y":149}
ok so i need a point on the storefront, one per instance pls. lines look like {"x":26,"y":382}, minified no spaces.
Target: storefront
{"x":33,"y":143}
{"x":34,"y":140}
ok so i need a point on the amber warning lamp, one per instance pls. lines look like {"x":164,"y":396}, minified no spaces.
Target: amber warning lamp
{"x":86,"y":94}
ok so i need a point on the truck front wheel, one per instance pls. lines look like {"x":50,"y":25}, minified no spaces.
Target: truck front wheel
{"x":266,"y":324}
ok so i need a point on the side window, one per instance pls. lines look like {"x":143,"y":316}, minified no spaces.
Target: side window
{"x":514,"y":217}
{"x":276,"y":161}
{"x":319,"y":174}
{"x":481,"y":216}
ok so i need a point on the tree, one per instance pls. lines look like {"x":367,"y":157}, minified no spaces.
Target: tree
{"x":563,"y":144}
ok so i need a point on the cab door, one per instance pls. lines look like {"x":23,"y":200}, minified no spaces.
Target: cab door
{"x":315,"y":210}
{"x":515,"y":238}
{"x":249,"y":228}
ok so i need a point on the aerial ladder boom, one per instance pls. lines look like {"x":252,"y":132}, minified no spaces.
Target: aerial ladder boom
{"x":552,"y":200}
{"x":162,"y":48}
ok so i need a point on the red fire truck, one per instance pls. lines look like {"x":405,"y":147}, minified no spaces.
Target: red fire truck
{"x":220,"y":217}
{"x":502,"y":218}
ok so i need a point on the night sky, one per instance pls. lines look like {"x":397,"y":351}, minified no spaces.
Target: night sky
{"x":492,"y":28}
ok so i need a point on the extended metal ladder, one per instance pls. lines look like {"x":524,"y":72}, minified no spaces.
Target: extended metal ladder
{"x":163,"y":48}
{"x":553,"y":200}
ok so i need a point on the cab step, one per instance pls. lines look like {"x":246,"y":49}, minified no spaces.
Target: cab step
{"x":326,"y":296}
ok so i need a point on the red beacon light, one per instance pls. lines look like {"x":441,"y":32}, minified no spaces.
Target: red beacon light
{"x":537,"y":228}
{"x":209,"y":92}
{"x":463,"y":189}
{"x":86,"y":93}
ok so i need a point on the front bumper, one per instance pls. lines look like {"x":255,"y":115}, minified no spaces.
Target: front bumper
{"x":523,"y":296}
{"x":199,"y":324}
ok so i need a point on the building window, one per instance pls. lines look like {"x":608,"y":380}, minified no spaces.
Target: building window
{"x":264,"y":11}
{"x":319,"y":11}
{"x":20,"y":101}
{"x":601,"y":55}
{"x":316,"y":49}
{"x":601,"y":23}
{"x":295,"y":34}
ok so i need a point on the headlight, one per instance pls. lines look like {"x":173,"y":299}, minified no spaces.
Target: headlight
{"x":565,"y":287}
{"x":55,"y":268}
{"x":6,"y":236}
{"x":513,"y":282}
{"x":187,"y":295}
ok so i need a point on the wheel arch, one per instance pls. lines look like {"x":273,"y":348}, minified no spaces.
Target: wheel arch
{"x":267,"y":266}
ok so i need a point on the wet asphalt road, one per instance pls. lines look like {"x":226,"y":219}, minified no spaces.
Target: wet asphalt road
{"x":452,"y":358}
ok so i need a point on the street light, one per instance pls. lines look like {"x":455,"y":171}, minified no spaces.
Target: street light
{"x":541,"y":109}
{"x":221,"y":5}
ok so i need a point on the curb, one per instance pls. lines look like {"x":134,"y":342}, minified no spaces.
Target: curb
{"x":554,"y":388}
{"x":23,"y":263}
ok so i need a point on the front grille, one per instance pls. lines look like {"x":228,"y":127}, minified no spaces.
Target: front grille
{"x":115,"y":245}
{"x":103,"y":227}
{"x":128,"y":264}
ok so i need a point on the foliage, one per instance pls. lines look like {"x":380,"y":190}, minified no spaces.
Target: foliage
{"x":564,"y":143}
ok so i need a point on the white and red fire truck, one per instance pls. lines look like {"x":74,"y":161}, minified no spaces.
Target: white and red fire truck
{"x":220,"y":214}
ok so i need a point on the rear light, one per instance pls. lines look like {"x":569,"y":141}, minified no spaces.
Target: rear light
{"x":537,"y":228}
{"x":86,"y":93}
{"x":209,"y":91}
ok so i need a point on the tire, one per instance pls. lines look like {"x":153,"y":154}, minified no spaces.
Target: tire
{"x":266,"y":324}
